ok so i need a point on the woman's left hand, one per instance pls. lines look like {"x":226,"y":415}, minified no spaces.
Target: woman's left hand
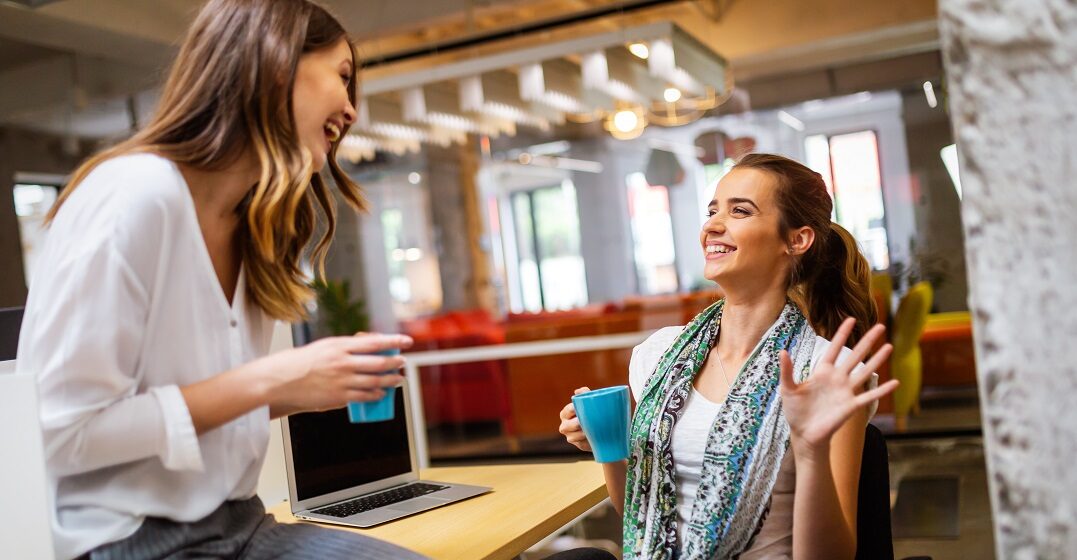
{"x":819,"y":406}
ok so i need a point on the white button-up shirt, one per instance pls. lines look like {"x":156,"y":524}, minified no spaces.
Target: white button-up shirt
{"x":125,"y":308}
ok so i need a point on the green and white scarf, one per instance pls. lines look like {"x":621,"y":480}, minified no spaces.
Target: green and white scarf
{"x":744,"y":451}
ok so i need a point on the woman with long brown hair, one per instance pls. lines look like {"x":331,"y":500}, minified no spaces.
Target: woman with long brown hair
{"x":722,"y":399}
{"x":169,"y":257}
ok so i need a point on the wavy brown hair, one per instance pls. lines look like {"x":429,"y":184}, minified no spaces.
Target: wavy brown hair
{"x":832,"y":280}
{"x":230,"y":91}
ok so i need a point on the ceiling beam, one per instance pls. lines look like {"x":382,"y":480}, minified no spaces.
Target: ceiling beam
{"x":63,"y":83}
{"x":36,"y":27}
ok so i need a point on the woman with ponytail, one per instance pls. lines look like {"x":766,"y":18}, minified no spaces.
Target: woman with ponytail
{"x":747,"y":437}
{"x":169,"y":257}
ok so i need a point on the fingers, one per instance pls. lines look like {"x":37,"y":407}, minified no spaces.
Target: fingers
{"x":367,"y":382}
{"x":838,"y":342}
{"x":569,"y":412}
{"x":788,"y":383}
{"x":862,"y":348}
{"x":574,"y":434}
{"x":369,"y":363}
{"x":581,"y":390}
{"x":366,"y":343}
{"x":358,"y":395}
{"x":860,"y":375}
{"x":576,"y":438}
{"x":867,"y":397}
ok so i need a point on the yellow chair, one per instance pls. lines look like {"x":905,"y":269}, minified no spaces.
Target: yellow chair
{"x":906,"y":363}
{"x":882,"y":287}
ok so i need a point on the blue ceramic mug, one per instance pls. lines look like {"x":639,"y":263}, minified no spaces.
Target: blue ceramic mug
{"x":604,"y":415}
{"x":380,"y":410}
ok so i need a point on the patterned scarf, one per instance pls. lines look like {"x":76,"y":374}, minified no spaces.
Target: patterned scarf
{"x":744,"y":450}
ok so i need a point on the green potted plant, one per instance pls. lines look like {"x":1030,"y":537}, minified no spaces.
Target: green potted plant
{"x":338,"y":314}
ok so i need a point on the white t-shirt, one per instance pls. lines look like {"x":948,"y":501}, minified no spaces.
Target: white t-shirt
{"x":124,"y":309}
{"x":775,"y":539}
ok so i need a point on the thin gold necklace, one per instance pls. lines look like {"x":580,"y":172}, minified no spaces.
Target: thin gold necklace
{"x":725,"y":375}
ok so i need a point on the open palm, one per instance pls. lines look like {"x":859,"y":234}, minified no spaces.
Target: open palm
{"x":821,"y":404}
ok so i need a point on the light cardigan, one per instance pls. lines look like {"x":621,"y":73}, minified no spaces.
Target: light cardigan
{"x":775,"y":538}
{"x":124,"y":309}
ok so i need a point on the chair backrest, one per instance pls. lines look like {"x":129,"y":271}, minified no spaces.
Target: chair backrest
{"x":874,"y":539}
{"x":25,"y":518}
{"x":882,"y":289}
{"x":911,"y":316}
{"x":10,"y":324}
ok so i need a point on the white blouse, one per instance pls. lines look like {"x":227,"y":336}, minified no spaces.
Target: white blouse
{"x":126,"y":308}
{"x":689,"y":440}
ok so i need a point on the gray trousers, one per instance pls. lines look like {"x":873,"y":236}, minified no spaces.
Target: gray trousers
{"x":243,"y":530}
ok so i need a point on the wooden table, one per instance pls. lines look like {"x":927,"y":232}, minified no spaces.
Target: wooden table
{"x":528,"y":503}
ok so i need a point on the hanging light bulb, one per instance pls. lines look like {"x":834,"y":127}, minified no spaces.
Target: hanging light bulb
{"x":626,"y":123}
{"x":671,"y":95}
{"x":640,"y":50}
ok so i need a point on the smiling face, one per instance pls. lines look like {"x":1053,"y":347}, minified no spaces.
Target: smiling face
{"x":742,"y":242}
{"x":320,"y":102}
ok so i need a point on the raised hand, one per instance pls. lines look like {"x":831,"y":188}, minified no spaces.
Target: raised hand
{"x":570,"y":425}
{"x":818,"y":407}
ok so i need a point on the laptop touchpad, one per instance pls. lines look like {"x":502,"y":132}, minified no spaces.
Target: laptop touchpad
{"x":417,"y":503}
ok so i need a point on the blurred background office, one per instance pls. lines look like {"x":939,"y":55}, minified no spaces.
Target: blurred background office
{"x":538,"y":172}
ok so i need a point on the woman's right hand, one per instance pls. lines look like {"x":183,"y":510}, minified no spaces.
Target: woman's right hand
{"x":331,"y":372}
{"x":570,"y":424}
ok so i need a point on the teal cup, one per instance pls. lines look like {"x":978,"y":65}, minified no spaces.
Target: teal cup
{"x":380,"y":410}
{"x":603,"y":415}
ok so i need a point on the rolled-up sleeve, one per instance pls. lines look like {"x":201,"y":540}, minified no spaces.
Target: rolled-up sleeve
{"x":83,"y":345}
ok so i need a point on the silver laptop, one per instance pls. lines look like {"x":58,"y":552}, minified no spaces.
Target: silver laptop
{"x":360,"y":475}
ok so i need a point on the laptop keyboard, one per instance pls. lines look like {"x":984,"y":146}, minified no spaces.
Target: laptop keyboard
{"x":374,"y":501}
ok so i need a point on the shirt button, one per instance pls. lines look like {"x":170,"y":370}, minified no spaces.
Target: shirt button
{"x":233,"y":323}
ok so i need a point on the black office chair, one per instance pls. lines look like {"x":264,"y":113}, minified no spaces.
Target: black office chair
{"x":874,"y":539}
{"x":10,"y":324}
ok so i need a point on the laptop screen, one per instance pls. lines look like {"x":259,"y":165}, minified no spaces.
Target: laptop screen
{"x":330,"y":454}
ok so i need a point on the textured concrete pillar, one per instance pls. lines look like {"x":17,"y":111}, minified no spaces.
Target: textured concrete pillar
{"x":605,"y":228}
{"x":455,"y":210}
{"x":1012,"y":82}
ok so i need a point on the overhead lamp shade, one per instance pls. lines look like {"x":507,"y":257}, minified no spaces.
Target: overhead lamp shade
{"x":548,"y":80}
{"x":668,"y":61}
{"x":627,"y":74}
{"x":532,"y":82}
{"x":713,"y":146}
{"x":414,"y":104}
{"x":663,"y":167}
{"x":737,"y":148}
{"x":595,"y":70}
{"x":661,"y":63}
{"x":472,"y":97}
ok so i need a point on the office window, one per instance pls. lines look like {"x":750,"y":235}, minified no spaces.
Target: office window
{"x":849,"y":164}
{"x":414,"y":275}
{"x":652,"y":236}
{"x":32,"y":202}
{"x":546,"y":245}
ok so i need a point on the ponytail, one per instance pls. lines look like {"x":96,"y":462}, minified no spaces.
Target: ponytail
{"x":837,"y":285}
